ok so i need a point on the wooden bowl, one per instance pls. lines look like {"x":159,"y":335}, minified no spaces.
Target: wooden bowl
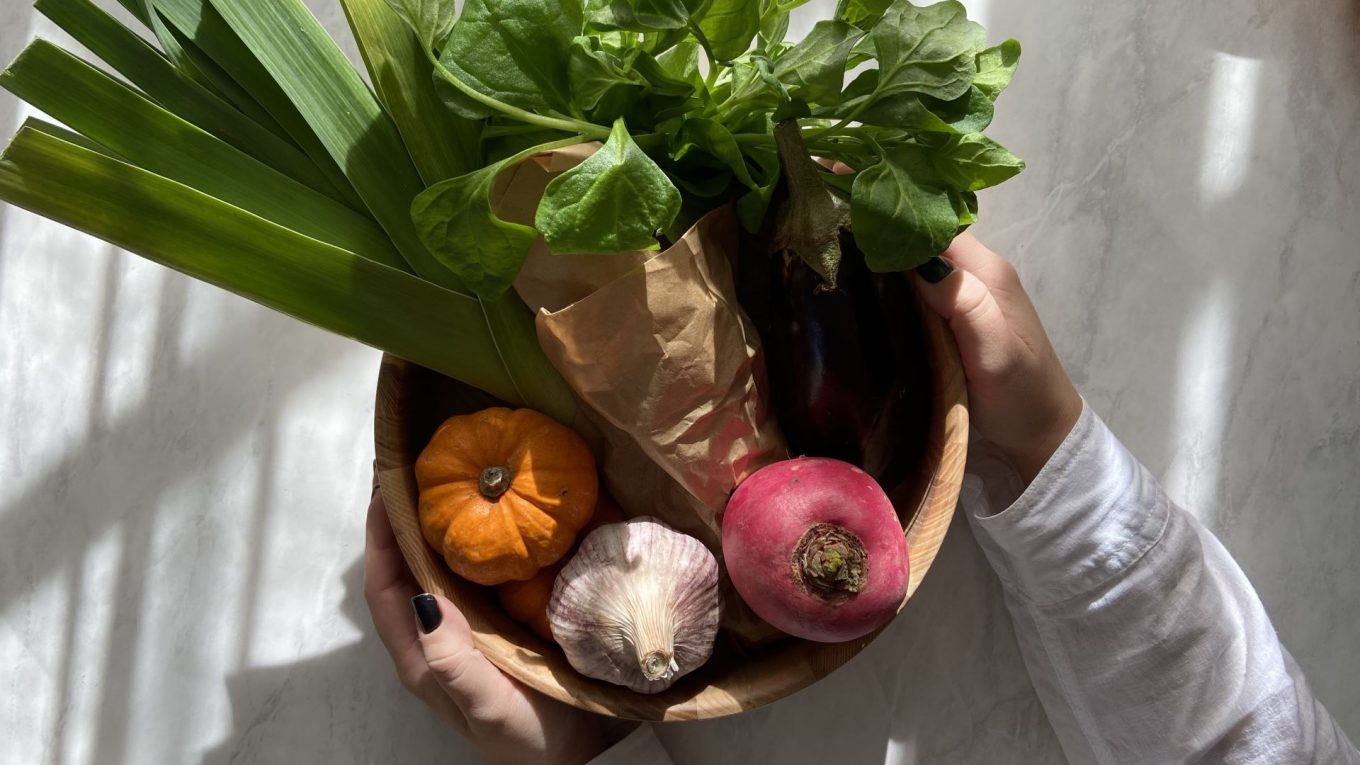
{"x":412,"y":401}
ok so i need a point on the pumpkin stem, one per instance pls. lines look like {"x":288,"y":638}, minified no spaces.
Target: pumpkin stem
{"x":495,"y":481}
{"x":830,"y":562}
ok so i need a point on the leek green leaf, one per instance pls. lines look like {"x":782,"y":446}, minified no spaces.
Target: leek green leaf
{"x":442,"y":144}
{"x":223,"y":245}
{"x":138,"y":130}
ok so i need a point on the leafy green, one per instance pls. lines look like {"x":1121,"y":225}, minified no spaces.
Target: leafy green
{"x":995,"y":67}
{"x":814,"y":69}
{"x":729,"y":26}
{"x":616,"y":200}
{"x":974,"y":162}
{"x":456,"y":222}
{"x":899,"y":220}
{"x":930,"y":50}
{"x":431,"y":19}
{"x":514,"y":51}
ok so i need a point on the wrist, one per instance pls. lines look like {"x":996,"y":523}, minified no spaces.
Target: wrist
{"x":1044,"y":440}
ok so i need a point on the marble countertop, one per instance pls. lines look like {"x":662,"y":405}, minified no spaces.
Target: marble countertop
{"x":185,"y":473}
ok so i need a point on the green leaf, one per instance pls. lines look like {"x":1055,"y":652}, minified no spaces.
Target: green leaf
{"x":715,"y":140}
{"x":601,"y":85}
{"x":899,"y":221}
{"x":515,"y":51}
{"x":211,"y":240}
{"x":681,"y":62}
{"x":729,"y":26}
{"x":339,"y":107}
{"x":930,"y":50}
{"x":864,"y":14}
{"x":199,"y":22}
{"x":752,"y":206}
{"x":641,"y":15}
{"x":431,"y":20}
{"x":814,"y":69}
{"x":974,"y":162}
{"x":144,"y":67}
{"x":969,"y":113}
{"x":995,"y":67}
{"x":442,"y":144}
{"x":455,"y":221}
{"x":614,"y":201}
{"x":773,"y":28}
{"x":139,"y":131}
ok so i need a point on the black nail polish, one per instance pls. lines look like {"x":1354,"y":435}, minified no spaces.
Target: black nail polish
{"x":935,"y":270}
{"x":427,"y":611}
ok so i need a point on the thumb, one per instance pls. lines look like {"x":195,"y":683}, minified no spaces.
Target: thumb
{"x":966,"y":304}
{"x":461,"y":670}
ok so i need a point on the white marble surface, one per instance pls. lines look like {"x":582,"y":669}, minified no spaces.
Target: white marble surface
{"x":185,"y":473}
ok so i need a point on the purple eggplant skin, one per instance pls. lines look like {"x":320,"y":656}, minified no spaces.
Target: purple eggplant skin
{"x":846,"y":364}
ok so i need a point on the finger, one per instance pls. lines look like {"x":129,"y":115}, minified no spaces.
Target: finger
{"x":476,"y":686}
{"x":388,"y":588}
{"x":986,"y":344}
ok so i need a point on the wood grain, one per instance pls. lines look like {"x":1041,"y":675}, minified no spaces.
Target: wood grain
{"x":412,"y":401}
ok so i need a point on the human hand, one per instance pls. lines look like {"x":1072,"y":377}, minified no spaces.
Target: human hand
{"x":507,"y":722}
{"x":1019,"y":396}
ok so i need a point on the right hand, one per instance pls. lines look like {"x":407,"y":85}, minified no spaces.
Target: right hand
{"x":1019,"y":396}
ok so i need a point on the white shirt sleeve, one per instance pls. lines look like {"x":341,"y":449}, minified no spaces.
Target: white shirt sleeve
{"x":641,"y":747}
{"x":1144,"y":640}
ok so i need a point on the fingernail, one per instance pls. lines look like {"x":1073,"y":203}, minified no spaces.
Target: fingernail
{"x":935,"y":270}
{"x":427,"y":611}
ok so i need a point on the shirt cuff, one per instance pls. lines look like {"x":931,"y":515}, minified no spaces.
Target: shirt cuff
{"x":641,"y":747}
{"x":1092,"y":512}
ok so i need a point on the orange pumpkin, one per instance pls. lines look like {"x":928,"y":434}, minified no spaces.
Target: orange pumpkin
{"x":503,"y":493}
{"x":527,"y":601}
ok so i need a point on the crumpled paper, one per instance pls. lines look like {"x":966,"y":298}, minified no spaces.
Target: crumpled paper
{"x":656,"y":346}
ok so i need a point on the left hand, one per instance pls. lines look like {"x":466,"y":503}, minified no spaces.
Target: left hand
{"x":507,"y":722}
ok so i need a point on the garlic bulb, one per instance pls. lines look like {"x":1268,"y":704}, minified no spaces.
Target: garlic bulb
{"x":637,"y":605}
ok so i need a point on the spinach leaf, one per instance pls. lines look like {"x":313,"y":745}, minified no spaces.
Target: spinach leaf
{"x":773,"y":28}
{"x":814,"y":69}
{"x":432,"y":20}
{"x":995,"y":66}
{"x":515,"y":51}
{"x":969,"y":113}
{"x":642,"y":15}
{"x":602,"y":85}
{"x":973,"y":162}
{"x":899,"y":220}
{"x":729,"y":26}
{"x":930,"y":50}
{"x":752,"y":205}
{"x":862,"y":13}
{"x":616,"y":200}
{"x":455,"y":222}
{"x":712,"y":138}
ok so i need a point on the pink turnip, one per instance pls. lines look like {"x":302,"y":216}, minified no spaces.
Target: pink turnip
{"x":814,"y":547}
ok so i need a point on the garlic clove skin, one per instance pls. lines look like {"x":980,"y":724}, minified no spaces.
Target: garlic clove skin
{"x":637,"y":605}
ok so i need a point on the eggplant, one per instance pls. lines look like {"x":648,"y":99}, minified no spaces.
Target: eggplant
{"x":843,"y":346}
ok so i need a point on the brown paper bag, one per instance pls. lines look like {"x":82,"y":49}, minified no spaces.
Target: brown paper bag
{"x":657,"y":347}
